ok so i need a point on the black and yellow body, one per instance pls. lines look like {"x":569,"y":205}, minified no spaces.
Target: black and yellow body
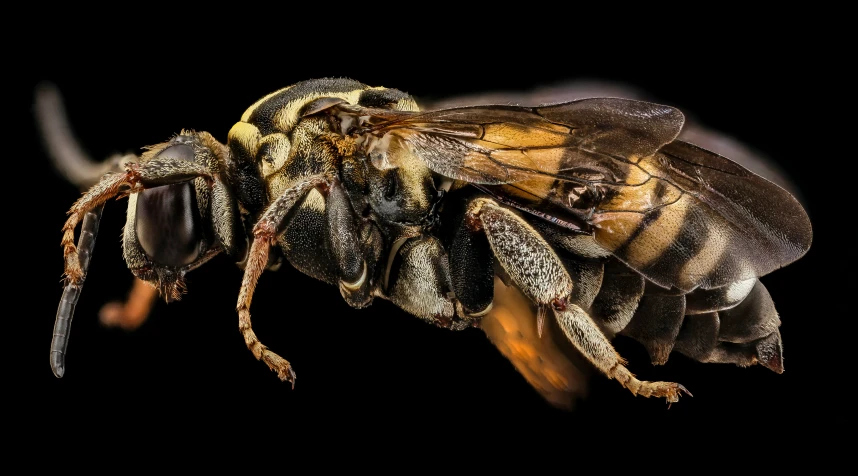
{"x":591,"y":210}
{"x":338,"y":232}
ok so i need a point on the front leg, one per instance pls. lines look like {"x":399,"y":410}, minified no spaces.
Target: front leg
{"x":136,"y":177}
{"x":265,"y":233}
{"x":537,"y":270}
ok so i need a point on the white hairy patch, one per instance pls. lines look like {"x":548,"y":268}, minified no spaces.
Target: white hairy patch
{"x":738,"y":291}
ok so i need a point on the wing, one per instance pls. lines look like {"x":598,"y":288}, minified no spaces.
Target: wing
{"x":693,"y":131}
{"x":680,"y":215}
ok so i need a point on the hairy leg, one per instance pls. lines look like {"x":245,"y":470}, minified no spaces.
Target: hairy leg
{"x":537,"y":270}
{"x":264,"y":236}
{"x":135,"y":178}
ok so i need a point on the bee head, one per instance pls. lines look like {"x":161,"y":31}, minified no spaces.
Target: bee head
{"x":167,"y":219}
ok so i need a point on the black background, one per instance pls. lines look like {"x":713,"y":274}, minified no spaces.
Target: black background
{"x":373,"y":375}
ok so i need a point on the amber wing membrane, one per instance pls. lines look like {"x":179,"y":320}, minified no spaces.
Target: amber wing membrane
{"x":682,"y":216}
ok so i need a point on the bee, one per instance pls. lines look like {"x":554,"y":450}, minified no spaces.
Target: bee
{"x":590,"y":211}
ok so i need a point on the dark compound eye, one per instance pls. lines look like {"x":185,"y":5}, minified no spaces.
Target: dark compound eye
{"x":167,"y":219}
{"x":182,"y":149}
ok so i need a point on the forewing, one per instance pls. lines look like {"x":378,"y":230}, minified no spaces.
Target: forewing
{"x":680,"y":215}
{"x":493,"y":145}
{"x":693,"y":132}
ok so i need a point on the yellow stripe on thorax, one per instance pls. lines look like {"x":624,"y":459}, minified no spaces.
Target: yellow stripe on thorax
{"x":249,"y":112}
{"x":287,"y":116}
{"x":247,"y":136}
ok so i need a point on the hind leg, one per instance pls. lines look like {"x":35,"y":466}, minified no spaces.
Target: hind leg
{"x":537,"y":270}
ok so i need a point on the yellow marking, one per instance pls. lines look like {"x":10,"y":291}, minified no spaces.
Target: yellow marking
{"x":613,"y":229}
{"x":556,"y":127}
{"x":277,"y":153}
{"x":479,"y":166}
{"x":637,"y":175}
{"x":287,"y":116}
{"x":249,"y":112}
{"x":407,"y":104}
{"x":651,"y":165}
{"x":643,"y":198}
{"x":247,"y":135}
{"x":542,"y":160}
{"x":517,"y":135}
{"x":276,"y":185}
{"x":413,"y":173}
{"x":531,"y":191}
{"x":636,"y":196}
{"x":641,"y":193}
{"x":706,"y":260}
{"x":513,"y":166}
{"x":315,"y":201}
{"x":528,"y":184}
{"x":657,"y":236}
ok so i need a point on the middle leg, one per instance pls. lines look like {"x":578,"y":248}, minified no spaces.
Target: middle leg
{"x":271,"y":224}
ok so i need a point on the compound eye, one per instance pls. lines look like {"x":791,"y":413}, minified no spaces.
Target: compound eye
{"x":168,"y":222}
{"x":181,"y":149}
